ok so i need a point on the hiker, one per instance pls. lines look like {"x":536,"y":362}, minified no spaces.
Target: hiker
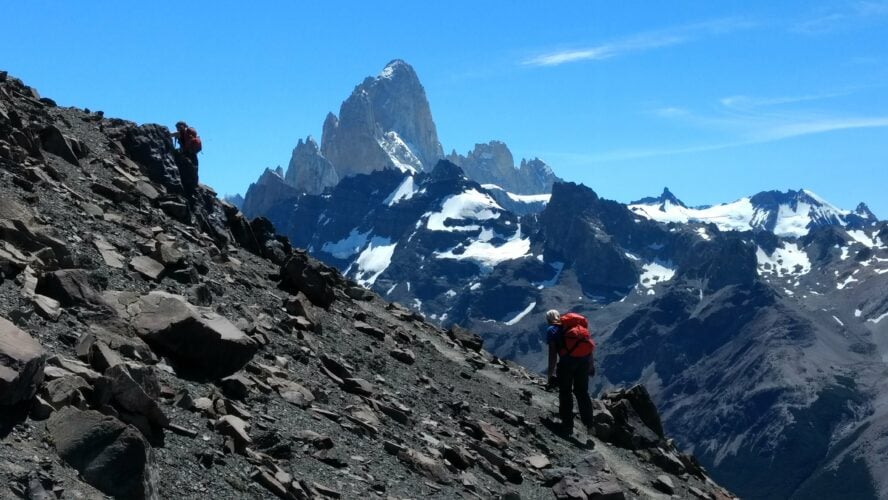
{"x":189,"y":141}
{"x":189,"y":146}
{"x":571,"y":346}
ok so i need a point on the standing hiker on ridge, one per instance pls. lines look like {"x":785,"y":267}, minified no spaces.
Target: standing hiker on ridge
{"x":189,"y":141}
{"x":189,"y":146}
{"x":571,"y":347}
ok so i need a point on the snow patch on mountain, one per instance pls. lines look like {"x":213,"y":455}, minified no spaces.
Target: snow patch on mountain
{"x":862,"y":238}
{"x":786,"y":260}
{"x":399,"y":152}
{"x":347,"y":246}
{"x":520,"y":198}
{"x":374,"y":260}
{"x":471,"y":204}
{"x":656,"y":272}
{"x":518,"y":317}
{"x":404,"y":191}
{"x":736,"y":216}
{"x":487,"y":254}
{"x":790,"y":214}
{"x":850,"y":279}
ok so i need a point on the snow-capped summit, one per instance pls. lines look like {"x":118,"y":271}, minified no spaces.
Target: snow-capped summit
{"x":791,"y":213}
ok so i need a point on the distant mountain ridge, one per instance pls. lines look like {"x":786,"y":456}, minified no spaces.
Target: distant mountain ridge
{"x":790,"y":213}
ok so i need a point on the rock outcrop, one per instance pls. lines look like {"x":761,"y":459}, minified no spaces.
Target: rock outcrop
{"x":309,"y":171}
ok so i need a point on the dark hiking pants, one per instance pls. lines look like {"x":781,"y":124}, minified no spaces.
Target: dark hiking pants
{"x":573,"y":381}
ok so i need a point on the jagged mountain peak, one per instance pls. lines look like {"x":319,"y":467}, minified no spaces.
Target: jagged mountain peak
{"x":661,"y":200}
{"x":492,"y":163}
{"x":397,"y":68}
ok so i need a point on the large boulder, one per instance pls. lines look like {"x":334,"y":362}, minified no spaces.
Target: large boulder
{"x":641,"y":402}
{"x":200,"y":342}
{"x":71,"y":287}
{"x":54,"y":142}
{"x":133,"y":394}
{"x":22,"y":360}
{"x":300,"y":273}
{"x":465,"y":338}
{"x":109,"y":454}
{"x":152,"y":148}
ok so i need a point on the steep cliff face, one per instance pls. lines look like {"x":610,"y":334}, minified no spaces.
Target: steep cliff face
{"x":309,"y":171}
{"x":385,"y":123}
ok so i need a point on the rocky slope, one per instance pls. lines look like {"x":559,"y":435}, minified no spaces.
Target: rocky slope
{"x":156,"y":344}
{"x":769,"y":332}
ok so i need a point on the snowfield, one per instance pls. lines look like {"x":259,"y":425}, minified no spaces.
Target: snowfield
{"x":404,"y":191}
{"x":787,"y":260}
{"x":472,"y":205}
{"x":655,"y":273}
{"x":742,"y":215}
{"x":347,"y":246}
{"x":374,"y":260}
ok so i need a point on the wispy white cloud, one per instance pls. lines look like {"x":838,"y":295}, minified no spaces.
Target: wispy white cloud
{"x":843,"y":17}
{"x":749,"y":102}
{"x":640,"y":42}
{"x":742,"y":121}
{"x":819,"y":126}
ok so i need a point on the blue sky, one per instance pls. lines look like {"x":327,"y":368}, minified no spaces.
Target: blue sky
{"x":716,"y":100}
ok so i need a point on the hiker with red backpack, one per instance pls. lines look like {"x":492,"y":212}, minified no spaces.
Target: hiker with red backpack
{"x":571,"y":346}
{"x":189,"y":141}
{"x":189,"y":146}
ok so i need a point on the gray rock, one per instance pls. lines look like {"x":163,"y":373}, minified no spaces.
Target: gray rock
{"x":48,"y":307}
{"x":303,"y":274}
{"x":71,"y":287}
{"x":405,"y":356}
{"x":22,"y":360}
{"x":66,"y":391}
{"x":151,"y":147}
{"x":465,"y":338}
{"x":132,"y":399}
{"x":369,"y":330}
{"x":109,"y":454}
{"x":201,"y":342}
{"x":147,"y":267}
{"x":54,"y":142}
{"x":664,"y":483}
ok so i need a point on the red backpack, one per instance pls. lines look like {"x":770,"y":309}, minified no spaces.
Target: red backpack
{"x":575,"y":336}
{"x":190,"y":141}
